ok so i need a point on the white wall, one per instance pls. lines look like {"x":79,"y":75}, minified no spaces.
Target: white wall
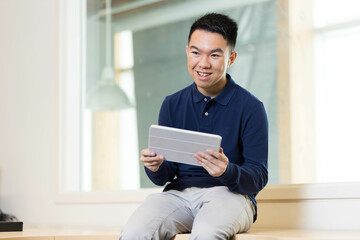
{"x":29,"y":138}
{"x":29,"y":120}
{"x":28,"y":100}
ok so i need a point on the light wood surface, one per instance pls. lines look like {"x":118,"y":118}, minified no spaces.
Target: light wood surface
{"x":67,"y":233}
{"x":296,"y":104}
{"x":289,"y":234}
{"x":62,"y":233}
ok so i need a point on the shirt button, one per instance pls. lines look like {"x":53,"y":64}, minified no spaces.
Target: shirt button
{"x":205,"y":99}
{"x":206,"y":113}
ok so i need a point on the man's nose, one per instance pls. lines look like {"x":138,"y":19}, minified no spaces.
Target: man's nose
{"x":204,"y":62}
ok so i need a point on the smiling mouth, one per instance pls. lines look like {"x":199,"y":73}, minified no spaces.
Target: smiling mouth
{"x":203,"y":74}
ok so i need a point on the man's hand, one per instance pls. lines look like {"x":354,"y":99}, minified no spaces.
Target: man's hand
{"x":150,"y":160}
{"x":215,"y":163}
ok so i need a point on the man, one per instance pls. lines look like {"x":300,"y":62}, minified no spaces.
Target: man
{"x":216,"y":200}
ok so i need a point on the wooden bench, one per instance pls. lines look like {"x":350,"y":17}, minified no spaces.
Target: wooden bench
{"x":64,"y":233}
{"x":289,"y":234}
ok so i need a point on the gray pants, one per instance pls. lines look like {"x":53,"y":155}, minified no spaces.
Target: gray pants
{"x":208,"y":213}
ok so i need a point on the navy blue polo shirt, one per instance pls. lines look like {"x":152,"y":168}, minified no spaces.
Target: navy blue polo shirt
{"x":239,"y":118}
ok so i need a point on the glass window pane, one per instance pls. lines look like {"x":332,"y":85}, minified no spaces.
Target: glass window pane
{"x":328,"y":12}
{"x":338,"y":114}
{"x":149,"y":64}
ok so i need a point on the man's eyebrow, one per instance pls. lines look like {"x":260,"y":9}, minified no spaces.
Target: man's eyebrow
{"x":212,"y":51}
{"x":192,"y":46}
{"x":217,"y":50}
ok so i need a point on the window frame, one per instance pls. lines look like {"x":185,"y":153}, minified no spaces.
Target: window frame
{"x":71,"y":55}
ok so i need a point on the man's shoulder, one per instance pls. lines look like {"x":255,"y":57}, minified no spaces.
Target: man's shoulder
{"x":242,"y":95}
{"x":245,"y":96}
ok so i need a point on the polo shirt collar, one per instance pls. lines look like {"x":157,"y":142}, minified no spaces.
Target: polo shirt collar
{"x":224,"y":96}
{"x":197,"y":96}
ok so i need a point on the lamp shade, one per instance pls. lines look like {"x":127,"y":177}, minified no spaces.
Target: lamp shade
{"x":106,"y":94}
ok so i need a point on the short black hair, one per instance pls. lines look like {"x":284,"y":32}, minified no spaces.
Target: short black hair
{"x":217,"y":23}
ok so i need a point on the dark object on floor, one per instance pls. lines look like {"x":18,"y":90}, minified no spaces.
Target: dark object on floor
{"x":11,"y":226}
{"x":9,"y":223}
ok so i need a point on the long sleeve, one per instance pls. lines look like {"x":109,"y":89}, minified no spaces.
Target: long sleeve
{"x":251,"y":175}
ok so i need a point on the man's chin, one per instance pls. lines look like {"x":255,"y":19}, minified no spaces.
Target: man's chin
{"x":202,"y":85}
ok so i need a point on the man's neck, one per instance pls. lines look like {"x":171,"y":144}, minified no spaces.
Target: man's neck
{"x":213,"y":91}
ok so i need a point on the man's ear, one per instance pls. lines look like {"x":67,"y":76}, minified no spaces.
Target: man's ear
{"x":232,"y":58}
{"x":187,"y":50}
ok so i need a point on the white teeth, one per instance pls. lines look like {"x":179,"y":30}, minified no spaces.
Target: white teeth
{"x":203,"y":74}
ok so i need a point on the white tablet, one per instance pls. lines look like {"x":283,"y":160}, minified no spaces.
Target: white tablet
{"x":178,"y":145}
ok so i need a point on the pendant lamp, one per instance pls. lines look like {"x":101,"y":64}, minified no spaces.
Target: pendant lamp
{"x":106,"y":94}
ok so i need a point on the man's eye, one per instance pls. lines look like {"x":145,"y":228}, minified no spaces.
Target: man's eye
{"x":195,"y":53}
{"x":215,"y":55}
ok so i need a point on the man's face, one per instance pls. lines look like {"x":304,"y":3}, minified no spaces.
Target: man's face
{"x":208,"y":57}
